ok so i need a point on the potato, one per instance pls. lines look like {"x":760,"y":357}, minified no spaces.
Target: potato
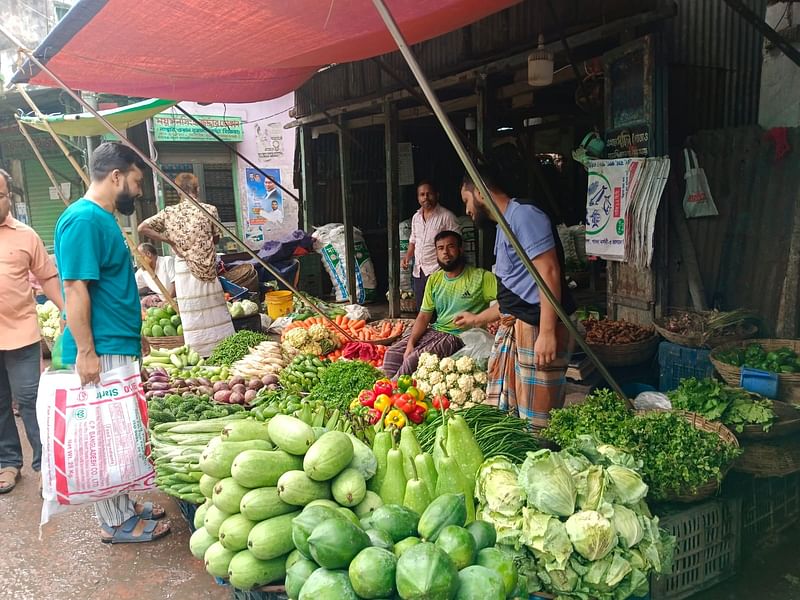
{"x":223,"y":396}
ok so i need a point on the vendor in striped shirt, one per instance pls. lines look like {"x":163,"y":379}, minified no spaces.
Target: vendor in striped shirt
{"x":452,"y":290}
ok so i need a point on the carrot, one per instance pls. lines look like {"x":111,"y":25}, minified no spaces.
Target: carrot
{"x":338,"y":319}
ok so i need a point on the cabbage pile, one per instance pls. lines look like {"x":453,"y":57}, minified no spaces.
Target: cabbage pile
{"x":575,"y":521}
{"x":49,"y":320}
{"x":242,"y":308}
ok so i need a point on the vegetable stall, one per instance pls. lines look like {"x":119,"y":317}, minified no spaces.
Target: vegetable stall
{"x":304,"y":472}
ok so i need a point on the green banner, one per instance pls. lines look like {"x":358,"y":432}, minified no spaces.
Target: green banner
{"x":170,"y":127}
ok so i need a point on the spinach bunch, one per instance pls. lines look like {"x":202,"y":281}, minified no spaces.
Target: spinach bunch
{"x":342,"y":381}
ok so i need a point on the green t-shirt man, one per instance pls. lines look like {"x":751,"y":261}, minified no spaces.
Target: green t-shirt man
{"x":471,"y":291}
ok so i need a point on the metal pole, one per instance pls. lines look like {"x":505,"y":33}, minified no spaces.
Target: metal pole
{"x":391,"y":25}
{"x":392,"y":212}
{"x":307,"y":181}
{"x":124,"y":140}
{"x":347,"y":213}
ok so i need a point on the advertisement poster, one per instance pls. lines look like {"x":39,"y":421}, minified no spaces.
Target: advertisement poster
{"x":608,"y":194}
{"x":269,"y":138}
{"x":264,"y":202}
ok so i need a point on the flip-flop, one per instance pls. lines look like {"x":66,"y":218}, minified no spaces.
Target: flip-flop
{"x":8,"y":479}
{"x":147,"y":512}
{"x":124,"y":533}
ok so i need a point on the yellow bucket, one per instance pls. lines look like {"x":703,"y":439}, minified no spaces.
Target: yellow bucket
{"x":279,"y":303}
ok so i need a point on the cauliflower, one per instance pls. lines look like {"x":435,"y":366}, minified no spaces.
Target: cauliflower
{"x":421,"y":374}
{"x":429,"y":361}
{"x":447,"y":365}
{"x":439,"y":389}
{"x":424,"y":386}
{"x":451,"y":379}
{"x":481,"y":377}
{"x":465,"y":364}
{"x":318,"y":332}
{"x":296,"y":337}
{"x":436,"y":377}
{"x":478,"y":395}
{"x":466,"y":383}
{"x":457,"y":396}
{"x":49,"y":319}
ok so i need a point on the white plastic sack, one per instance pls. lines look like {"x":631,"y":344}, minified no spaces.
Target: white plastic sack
{"x":652,"y":401}
{"x":94,"y":439}
{"x":405,"y":274}
{"x":357,"y":312}
{"x":477,"y":344}
{"x":329,"y":243}
{"x":697,"y":201}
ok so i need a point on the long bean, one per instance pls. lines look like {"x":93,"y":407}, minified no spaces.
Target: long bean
{"x":497,"y":432}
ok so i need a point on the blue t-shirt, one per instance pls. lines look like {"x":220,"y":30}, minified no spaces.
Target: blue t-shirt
{"x":90,"y":247}
{"x":535,"y":234}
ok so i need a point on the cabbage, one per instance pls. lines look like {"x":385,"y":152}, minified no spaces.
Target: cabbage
{"x":575,"y":461}
{"x":606,"y":574}
{"x":591,"y":534}
{"x":628,"y":485}
{"x":249,"y":307}
{"x":236,"y":310}
{"x":591,"y":486}
{"x":627,"y":525}
{"x":548,"y":484}
{"x":546,"y":536}
{"x":559,"y":580}
{"x":508,"y":529}
{"x":497,"y":487}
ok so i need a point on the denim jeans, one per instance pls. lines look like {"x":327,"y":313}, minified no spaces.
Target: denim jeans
{"x":19,"y":378}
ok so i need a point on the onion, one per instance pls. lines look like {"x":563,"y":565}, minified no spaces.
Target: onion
{"x":236,"y":398}
{"x":223,"y":396}
{"x":219,"y":386}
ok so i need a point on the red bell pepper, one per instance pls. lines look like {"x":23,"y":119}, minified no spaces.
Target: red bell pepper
{"x":374,"y":416}
{"x":417,"y":414}
{"x":440,"y":402}
{"x":406,"y":403}
{"x":367,"y":398}
{"x":382,"y":386}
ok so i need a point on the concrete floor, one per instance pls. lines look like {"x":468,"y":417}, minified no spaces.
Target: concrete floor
{"x":70,"y":562}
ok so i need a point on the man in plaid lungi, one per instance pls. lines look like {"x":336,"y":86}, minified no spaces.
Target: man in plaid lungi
{"x":527,"y":368}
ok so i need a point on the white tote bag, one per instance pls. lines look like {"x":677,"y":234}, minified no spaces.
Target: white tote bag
{"x":697,"y":201}
{"x":94,"y":439}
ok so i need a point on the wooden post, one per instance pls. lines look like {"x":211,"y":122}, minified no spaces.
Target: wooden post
{"x":697,"y":290}
{"x":787,"y":309}
{"x":347,"y":213}
{"x":481,"y":125}
{"x":392,"y":208}
{"x":307,"y":184}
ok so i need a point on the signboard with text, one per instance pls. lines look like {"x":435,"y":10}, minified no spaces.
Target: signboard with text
{"x":169,"y":127}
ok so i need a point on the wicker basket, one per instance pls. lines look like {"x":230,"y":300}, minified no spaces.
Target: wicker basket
{"x":390,"y":340}
{"x":245,"y":276}
{"x":711,"y":487}
{"x":167,"y":342}
{"x":789,"y":383}
{"x":787,"y":422}
{"x":624,"y":355}
{"x":408,"y":305}
{"x":770,"y":458}
{"x":698,"y":341}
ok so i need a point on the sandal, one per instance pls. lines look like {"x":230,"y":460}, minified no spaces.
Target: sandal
{"x":124,"y":534}
{"x":8,"y":479}
{"x":150,"y":511}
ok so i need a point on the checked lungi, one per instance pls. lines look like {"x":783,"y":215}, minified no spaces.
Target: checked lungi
{"x":432,"y":341}
{"x":515,"y":384}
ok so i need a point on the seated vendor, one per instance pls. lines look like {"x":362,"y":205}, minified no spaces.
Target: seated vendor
{"x":456,"y":288}
{"x":164,"y":268}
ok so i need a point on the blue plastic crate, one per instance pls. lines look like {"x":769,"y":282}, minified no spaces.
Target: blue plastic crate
{"x":680,"y":362}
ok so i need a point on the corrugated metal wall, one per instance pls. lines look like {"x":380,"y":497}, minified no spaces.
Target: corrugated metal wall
{"x":715,"y":71}
{"x":743,"y":252}
{"x":43,"y":211}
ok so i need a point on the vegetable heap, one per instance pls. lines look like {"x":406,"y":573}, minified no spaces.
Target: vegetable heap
{"x":734,"y":407}
{"x":782,"y":360}
{"x":677,"y":458}
{"x":174,"y":407}
{"x":708,"y":323}
{"x":265,"y":359}
{"x":317,"y":340}
{"x":49,"y":320}
{"x":303,"y":373}
{"x":578,"y":519}
{"x":242,"y":308}
{"x":459,"y":379}
{"x":341,"y":382}
{"x":606,"y":332}
{"x":497,"y":432}
{"x":160,"y":322}
{"x":399,"y":403}
{"x":235,"y":347}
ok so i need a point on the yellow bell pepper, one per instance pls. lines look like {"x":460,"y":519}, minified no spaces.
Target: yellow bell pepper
{"x":383,"y":402}
{"x":355,"y":404}
{"x":396,"y":419}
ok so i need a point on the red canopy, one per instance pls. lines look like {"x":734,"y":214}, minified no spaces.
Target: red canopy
{"x":229,"y":50}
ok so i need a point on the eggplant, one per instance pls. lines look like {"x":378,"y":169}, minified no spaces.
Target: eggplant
{"x":158,"y":385}
{"x":204,"y":382}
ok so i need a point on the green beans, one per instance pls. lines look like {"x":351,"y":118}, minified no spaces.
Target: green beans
{"x":498,"y":433}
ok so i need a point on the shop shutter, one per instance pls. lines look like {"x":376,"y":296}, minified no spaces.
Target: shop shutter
{"x":42,"y":211}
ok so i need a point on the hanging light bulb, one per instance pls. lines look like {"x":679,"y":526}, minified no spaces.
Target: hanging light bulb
{"x":540,"y":66}
{"x":470,"y":123}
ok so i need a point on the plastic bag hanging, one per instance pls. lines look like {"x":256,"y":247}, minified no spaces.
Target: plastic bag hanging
{"x":697,"y":201}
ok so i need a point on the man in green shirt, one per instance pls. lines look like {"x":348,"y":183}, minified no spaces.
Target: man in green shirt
{"x":454,"y":289}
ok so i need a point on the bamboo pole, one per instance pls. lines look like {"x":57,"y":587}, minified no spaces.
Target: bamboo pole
{"x":87,"y":182}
